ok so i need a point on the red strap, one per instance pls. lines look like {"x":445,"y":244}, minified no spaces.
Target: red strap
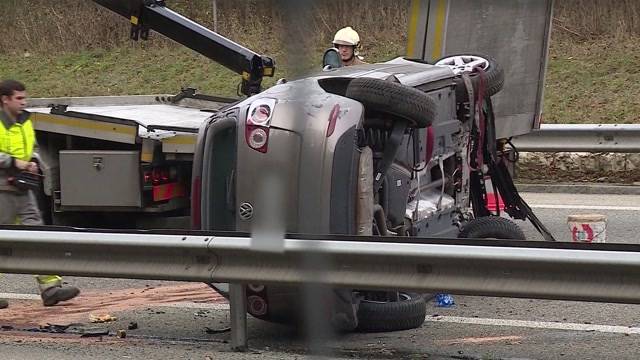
{"x":430,"y":143}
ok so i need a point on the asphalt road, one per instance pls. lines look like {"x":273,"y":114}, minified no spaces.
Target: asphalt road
{"x":475,"y":328}
{"x":553,"y":209}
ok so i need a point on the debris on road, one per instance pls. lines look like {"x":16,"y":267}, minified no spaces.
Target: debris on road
{"x":209,"y":330}
{"x":202,"y":313}
{"x":102,"y":318}
{"x":444,"y":300}
{"x":511,"y":340}
{"x":50,"y":328}
{"x":55,"y":328}
{"x":94,"y":332}
{"x":33,"y":314}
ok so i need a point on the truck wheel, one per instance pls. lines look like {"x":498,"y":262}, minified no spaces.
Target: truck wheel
{"x":492,"y":227}
{"x":378,"y":316}
{"x":468,"y":63}
{"x":395,"y":99}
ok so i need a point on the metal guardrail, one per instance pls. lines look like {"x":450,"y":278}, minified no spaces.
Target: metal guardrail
{"x":535,"y":270}
{"x":596,"y":272}
{"x":624,"y":138}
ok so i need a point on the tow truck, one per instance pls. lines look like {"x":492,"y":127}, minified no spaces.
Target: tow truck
{"x":126,"y":161}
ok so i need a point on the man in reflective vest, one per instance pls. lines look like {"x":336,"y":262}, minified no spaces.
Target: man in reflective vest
{"x":18,"y":206}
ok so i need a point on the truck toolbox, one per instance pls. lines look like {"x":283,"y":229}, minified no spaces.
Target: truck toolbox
{"x":92,"y":178}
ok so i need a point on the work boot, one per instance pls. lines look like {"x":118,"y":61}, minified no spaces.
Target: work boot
{"x":55,"y":294}
{"x":4,"y":304}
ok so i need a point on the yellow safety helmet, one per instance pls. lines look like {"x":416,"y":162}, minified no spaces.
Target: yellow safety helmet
{"x":347,"y":36}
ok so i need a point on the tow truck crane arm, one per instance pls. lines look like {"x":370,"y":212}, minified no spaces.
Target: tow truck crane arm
{"x":148,"y":15}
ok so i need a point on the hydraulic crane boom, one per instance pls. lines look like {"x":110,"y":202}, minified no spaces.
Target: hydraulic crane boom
{"x":148,"y":15}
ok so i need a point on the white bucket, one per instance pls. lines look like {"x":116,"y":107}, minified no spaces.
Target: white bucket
{"x":588,"y":228}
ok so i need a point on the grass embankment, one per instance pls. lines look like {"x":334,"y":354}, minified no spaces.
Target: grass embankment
{"x":134,"y":70}
{"x":596,"y":81}
{"x":593,"y":81}
{"x":118,"y":72}
{"x":76,"y":47}
{"x":593,"y":71}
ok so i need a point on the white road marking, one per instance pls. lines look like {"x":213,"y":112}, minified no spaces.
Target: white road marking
{"x":19,"y":296}
{"x":191,"y":305}
{"x":585,"y":207}
{"x":537,"y":324}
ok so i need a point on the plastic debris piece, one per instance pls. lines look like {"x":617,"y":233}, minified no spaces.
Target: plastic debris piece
{"x":102,"y":318}
{"x":209,"y":330}
{"x":50,"y":328}
{"x":93,"y":332}
{"x":55,"y":328}
{"x":444,"y":300}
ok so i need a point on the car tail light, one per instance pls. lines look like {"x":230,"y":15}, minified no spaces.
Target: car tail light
{"x":258,"y":137}
{"x":147,"y":177}
{"x":160,"y":175}
{"x":256,"y":131}
{"x":256,"y":305}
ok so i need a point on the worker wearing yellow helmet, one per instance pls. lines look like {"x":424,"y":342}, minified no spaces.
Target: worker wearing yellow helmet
{"x":347,"y":41}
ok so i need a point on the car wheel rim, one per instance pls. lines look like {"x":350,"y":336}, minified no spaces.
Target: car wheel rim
{"x":461,"y":64}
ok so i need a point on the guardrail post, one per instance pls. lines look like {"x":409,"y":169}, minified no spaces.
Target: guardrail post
{"x":238,"y":310}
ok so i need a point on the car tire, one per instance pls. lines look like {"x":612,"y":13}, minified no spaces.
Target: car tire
{"x":492,"y":227}
{"x":494,"y":76}
{"x":395,"y":99}
{"x":377,"y":316}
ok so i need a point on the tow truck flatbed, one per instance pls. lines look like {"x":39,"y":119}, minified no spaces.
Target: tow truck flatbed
{"x":129,"y":119}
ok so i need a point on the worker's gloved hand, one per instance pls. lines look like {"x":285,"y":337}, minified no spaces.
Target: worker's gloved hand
{"x":33,"y":167}
{"x":29,"y":166}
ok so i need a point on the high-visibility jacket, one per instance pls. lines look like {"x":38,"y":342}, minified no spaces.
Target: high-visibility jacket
{"x":17,"y":140}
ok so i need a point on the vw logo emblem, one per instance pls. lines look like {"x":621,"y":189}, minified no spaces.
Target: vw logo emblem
{"x":246,"y":211}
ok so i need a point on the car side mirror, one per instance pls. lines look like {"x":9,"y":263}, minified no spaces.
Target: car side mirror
{"x":331,"y":59}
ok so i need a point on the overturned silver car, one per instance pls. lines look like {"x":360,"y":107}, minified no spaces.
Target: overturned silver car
{"x":394,"y":149}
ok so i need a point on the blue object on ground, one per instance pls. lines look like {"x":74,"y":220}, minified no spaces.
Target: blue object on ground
{"x":444,"y":300}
